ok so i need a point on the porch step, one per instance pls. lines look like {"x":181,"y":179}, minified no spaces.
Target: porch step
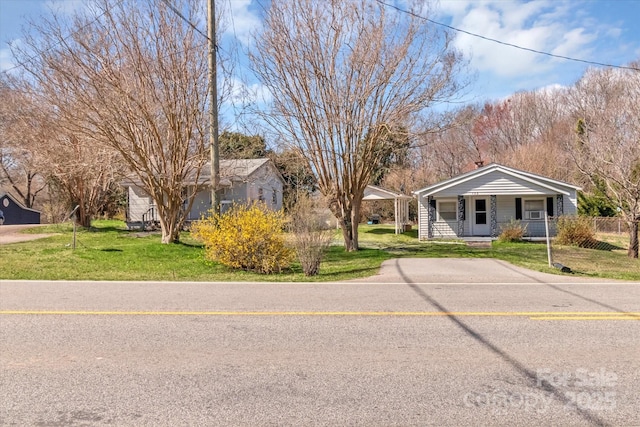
{"x":135,"y":225}
{"x":478,"y":242}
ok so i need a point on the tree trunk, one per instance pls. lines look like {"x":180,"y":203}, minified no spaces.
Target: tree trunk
{"x":169,"y":223}
{"x":83,"y":216}
{"x":169,"y":227}
{"x":355,"y":221}
{"x":348,"y":219}
{"x":346,"y":225}
{"x":170,"y":233}
{"x":633,"y":239}
{"x":85,"y":221}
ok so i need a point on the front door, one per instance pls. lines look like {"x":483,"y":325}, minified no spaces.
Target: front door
{"x":481,"y":217}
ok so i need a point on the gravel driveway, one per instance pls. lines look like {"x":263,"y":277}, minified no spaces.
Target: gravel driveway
{"x":13,"y":234}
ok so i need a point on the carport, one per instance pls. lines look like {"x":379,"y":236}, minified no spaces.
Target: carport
{"x":401,"y":204}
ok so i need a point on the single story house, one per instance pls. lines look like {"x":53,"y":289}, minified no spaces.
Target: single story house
{"x":14,"y":212}
{"x":479,"y":202}
{"x":242,"y":181}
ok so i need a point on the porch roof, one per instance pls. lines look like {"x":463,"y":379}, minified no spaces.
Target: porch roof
{"x":377,"y":193}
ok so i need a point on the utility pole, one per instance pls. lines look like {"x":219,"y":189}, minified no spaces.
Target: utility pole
{"x":213,"y":108}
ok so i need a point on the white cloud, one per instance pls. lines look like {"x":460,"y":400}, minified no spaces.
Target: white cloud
{"x":6,"y":59}
{"x":574,"y":43}
{"x":248,"y":93}
{"x":552,"y":89}
{"x":242,"y":21}
{"x":547,"y":26}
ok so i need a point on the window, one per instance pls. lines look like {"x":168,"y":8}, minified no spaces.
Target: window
{"x":260,"y":194}
{"x":481,"y":211}
{"x":447,"y":211}
{"x":274,"y":197}
{"x":534,"y":209}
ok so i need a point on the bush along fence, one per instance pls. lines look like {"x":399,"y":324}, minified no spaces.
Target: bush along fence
{"x":593,"y":246}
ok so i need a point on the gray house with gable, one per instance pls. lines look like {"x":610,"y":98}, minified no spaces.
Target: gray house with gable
{"x":478,"y":203}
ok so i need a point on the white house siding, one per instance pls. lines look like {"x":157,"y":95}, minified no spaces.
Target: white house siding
{"x":271,"y":186}
{"x":570,"y":204}
{"x":505,"y":212}
{"x":235,"y":194}
{"x":506,"y":209}
{"x":445,"y":229}
{"x":139,"y":203}
{"x":495,"y":182}
{"x":423,"y":218}
{"x":535,"y":228}
{"x":201,"y":205}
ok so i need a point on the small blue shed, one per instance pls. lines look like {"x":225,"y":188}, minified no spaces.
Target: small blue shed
{"x":15,"y":212}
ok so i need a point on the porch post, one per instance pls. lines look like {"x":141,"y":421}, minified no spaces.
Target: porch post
{"x":560,"y":205}
{"x":396,"y":213}
{"x":405,"y":214}
{"x":431,"y":203}
{"x":461,"y":216}
{"x":494,"y":216}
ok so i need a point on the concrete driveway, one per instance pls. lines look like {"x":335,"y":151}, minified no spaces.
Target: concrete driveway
{"x":463,"y":271}
{"x":13,"y":234}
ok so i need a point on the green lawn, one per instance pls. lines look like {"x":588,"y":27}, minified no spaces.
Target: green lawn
{"x":109,"y":252}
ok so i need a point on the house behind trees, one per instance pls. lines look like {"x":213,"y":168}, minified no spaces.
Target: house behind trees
{"x":242,"y":181}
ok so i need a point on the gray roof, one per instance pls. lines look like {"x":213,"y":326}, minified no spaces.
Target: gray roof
{"x":230,"y":171}
{"x":233,"y":170}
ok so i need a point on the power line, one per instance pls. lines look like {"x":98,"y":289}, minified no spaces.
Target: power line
{"x":191,"y":24}
{"x":568,"y":58}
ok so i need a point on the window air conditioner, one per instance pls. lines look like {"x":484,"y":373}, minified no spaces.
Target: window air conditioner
{"x":535,"y":214}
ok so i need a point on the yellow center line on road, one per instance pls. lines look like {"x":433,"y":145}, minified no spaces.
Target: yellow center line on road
{"x":534,"y":315}
{"x":620,"y":317}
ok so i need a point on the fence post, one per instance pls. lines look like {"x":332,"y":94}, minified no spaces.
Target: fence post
{"x":74,"y":215}
{"x":546,"y":232}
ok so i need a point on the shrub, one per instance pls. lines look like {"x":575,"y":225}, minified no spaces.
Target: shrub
{"x":512,"y":232}
{"x":575,"y":231}
{"x":246,"y":237}
{"x":311,"y":235}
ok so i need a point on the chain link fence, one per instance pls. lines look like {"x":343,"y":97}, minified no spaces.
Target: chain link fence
{"x":594,"y":246}
{"x":609,"y":225}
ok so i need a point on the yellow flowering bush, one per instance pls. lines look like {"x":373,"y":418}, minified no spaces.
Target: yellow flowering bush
{"x":248,"y":237}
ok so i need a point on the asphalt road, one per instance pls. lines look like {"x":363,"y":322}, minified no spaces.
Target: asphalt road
{"x":426,"y":342}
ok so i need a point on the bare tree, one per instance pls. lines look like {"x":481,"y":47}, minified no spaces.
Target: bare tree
{"x":453,"y":150}
{"x":45,"y":153}
{"x":132,"y":75}
{"x":19,"y":134}
{"x":607,"y":148}
{"x":343,"y":74}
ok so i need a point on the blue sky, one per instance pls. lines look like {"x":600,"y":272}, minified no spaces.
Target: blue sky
{"x":596,"y":30}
